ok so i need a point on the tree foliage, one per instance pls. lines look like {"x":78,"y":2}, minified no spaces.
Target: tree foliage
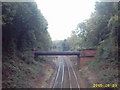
{"x":101,"y":30}
{"x":24,"y":28}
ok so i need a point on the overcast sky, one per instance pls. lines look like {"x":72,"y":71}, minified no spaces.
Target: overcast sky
{"x":64,"y":15}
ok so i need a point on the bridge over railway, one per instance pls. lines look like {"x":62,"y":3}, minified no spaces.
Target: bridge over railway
{"x":83,"y":53}
{"x":57,"y":53}
{"x":66,"y":74}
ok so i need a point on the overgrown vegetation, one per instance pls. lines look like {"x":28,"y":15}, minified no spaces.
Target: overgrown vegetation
{"x":24,"y":28}
{"x":100,"y":31}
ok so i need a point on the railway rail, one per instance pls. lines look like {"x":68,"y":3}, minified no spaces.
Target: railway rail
{"x":65,"y":68}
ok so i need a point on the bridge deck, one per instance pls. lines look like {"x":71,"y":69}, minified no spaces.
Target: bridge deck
{"x":58,"y":53}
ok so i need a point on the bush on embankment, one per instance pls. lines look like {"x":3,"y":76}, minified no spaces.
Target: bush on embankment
{"x":101,"y":31}
{"x":23,"y":28}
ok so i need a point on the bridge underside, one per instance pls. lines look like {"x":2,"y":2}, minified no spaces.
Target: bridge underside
{"x":58,"y":53}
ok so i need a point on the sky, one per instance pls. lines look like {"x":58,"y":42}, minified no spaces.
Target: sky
{"x":63,"y":16}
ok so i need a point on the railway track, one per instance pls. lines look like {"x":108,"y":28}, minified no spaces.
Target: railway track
{"x":58,"y":82}
{"x":66,"y":76}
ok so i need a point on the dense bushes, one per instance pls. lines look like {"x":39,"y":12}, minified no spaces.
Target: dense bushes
{"x":23,"y":28}
{"x":100,"y":31}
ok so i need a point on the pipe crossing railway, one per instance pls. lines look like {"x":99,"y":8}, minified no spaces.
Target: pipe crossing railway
{"x":53,"y":53}
{"x":63,"y":53}
{"x":57,"y":53}
{"x":66,"y":76}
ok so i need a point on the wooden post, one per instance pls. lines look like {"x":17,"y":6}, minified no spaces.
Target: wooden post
{"x":78,"y":61}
